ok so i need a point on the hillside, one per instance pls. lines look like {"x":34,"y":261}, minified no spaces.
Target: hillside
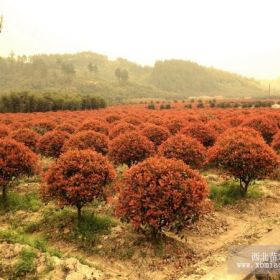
{"x":192,"y":79}
{"x":119,"y":80}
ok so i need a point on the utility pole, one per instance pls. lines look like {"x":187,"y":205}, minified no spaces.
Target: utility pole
{"x":269,"y":91}
{"x":1,"y":23}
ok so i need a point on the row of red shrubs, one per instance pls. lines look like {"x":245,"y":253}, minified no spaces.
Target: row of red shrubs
{"x":160,"y":189}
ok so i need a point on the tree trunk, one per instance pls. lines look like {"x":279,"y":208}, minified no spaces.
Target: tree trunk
{"x":79,"y":208}
{"x":244,"y":186}
{"x":4,"y":193}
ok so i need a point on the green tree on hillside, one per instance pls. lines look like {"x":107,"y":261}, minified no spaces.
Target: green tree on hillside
{"x":121,"y":75}
{"x":92,"y":68}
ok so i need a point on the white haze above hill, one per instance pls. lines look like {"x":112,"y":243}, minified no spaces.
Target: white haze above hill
{"x":234,"y":35}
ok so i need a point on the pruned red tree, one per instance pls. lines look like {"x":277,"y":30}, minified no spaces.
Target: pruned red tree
{"x":15,"y":160}
{"x":155,"y":133}
{"x":111,"y":118}
{"x":121,"y":128}
{"x":218,"y":125}
{"x":132,"y":120}
{"x":175,"y":125}
{"x":244,"y":156}
{"x":276,"y":142}
{"x":188,"y":149}
{"x":52,"y":142}
{"x":42,"y":126}
{"x":66,"y":127}
{"x":161,"y":193}
{"x":267,"y":127}
{"x":88,"y":140}
{"x":26,"y":136}
{"x":77,"y":178}
{"x":130,"y":148}
{"x":96,"y":125}
{"x":204,"y":134}
{"x":4,"y":130}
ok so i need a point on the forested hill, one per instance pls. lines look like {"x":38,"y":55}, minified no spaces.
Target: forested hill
{"x":119,"y":80}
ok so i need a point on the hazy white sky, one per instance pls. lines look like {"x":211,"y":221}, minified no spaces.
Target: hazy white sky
{"x":236,"y":35}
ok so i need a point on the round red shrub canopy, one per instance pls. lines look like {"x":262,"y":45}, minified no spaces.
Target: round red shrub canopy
{"x":130,"y":148}
{"x":51,"y":143}
{"x":26,"y":136}
{"x":204,"y":134}
{"x":77,"y":178}
{"x":276,"y":142}
{"x":160,"y":192}
{"x":155,"y":133}
{"x":185,"y":148}
{"x":15,"y":160}
{"x":88,"y":140}
{"x":244,"y":156}
{"x":267,"y":127}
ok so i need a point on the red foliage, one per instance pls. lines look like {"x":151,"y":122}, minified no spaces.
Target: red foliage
{"x":26,"y":136}
{"x":66,"y":128}
{"x":77,"y":178}
{"x":51,"y":143}
{"x":155,"y":133}
{"x":175,"y":125}
{"x":265,"y":126}
{"x":244,"y":156}
{"x":218,"y":125}
{"x":204,"y":134}
{"x":121,"y":128}
{"x":130,"y":148}
{"x":160,"y":193}
{"x":276,"y":142}
{"x":4,"y":131}
{"x":132,"y":120}
{"x":113,"y":118}
{"x":42,"y":126}
{"x":185,"y":148}
{"x":97,"y":126}
{"x":15,"y":160}
{"x":88,"y":140}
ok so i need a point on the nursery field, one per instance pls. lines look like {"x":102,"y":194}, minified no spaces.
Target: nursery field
{"x":128,"y":192}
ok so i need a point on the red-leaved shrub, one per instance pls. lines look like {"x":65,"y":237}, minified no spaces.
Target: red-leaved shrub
{"x":130,"y":148}
{"x":175,"y":125}
{"x":276,"y":142}
{"x":121,"y":128}
{"x":244,"y":156}
{"x":77,"y":178}
{"x":66,"y":127}
{"x":42,"y":126}
{"x":52,"y":142}
{"x":265,"y":126}
{"x":88,"y":140}
{"x":96,"y":125}
{"x":204,"y":134}
{"x":188,"y":149}
{"x":15,"y":160}
{"x":4,"y":131}
{"x":161,"y":193}
{"x":155,"y":133}
{"x":26,"y":136}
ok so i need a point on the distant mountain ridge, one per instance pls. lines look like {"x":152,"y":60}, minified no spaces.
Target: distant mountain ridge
{"x":91,"y":73}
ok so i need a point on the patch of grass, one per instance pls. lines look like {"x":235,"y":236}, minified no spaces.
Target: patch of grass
{"x":35,"y":241}
{"x":229,"y":192}
{"x":86,"y":234}
{"x":26,"y":263}
{"x":27,"y":202}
